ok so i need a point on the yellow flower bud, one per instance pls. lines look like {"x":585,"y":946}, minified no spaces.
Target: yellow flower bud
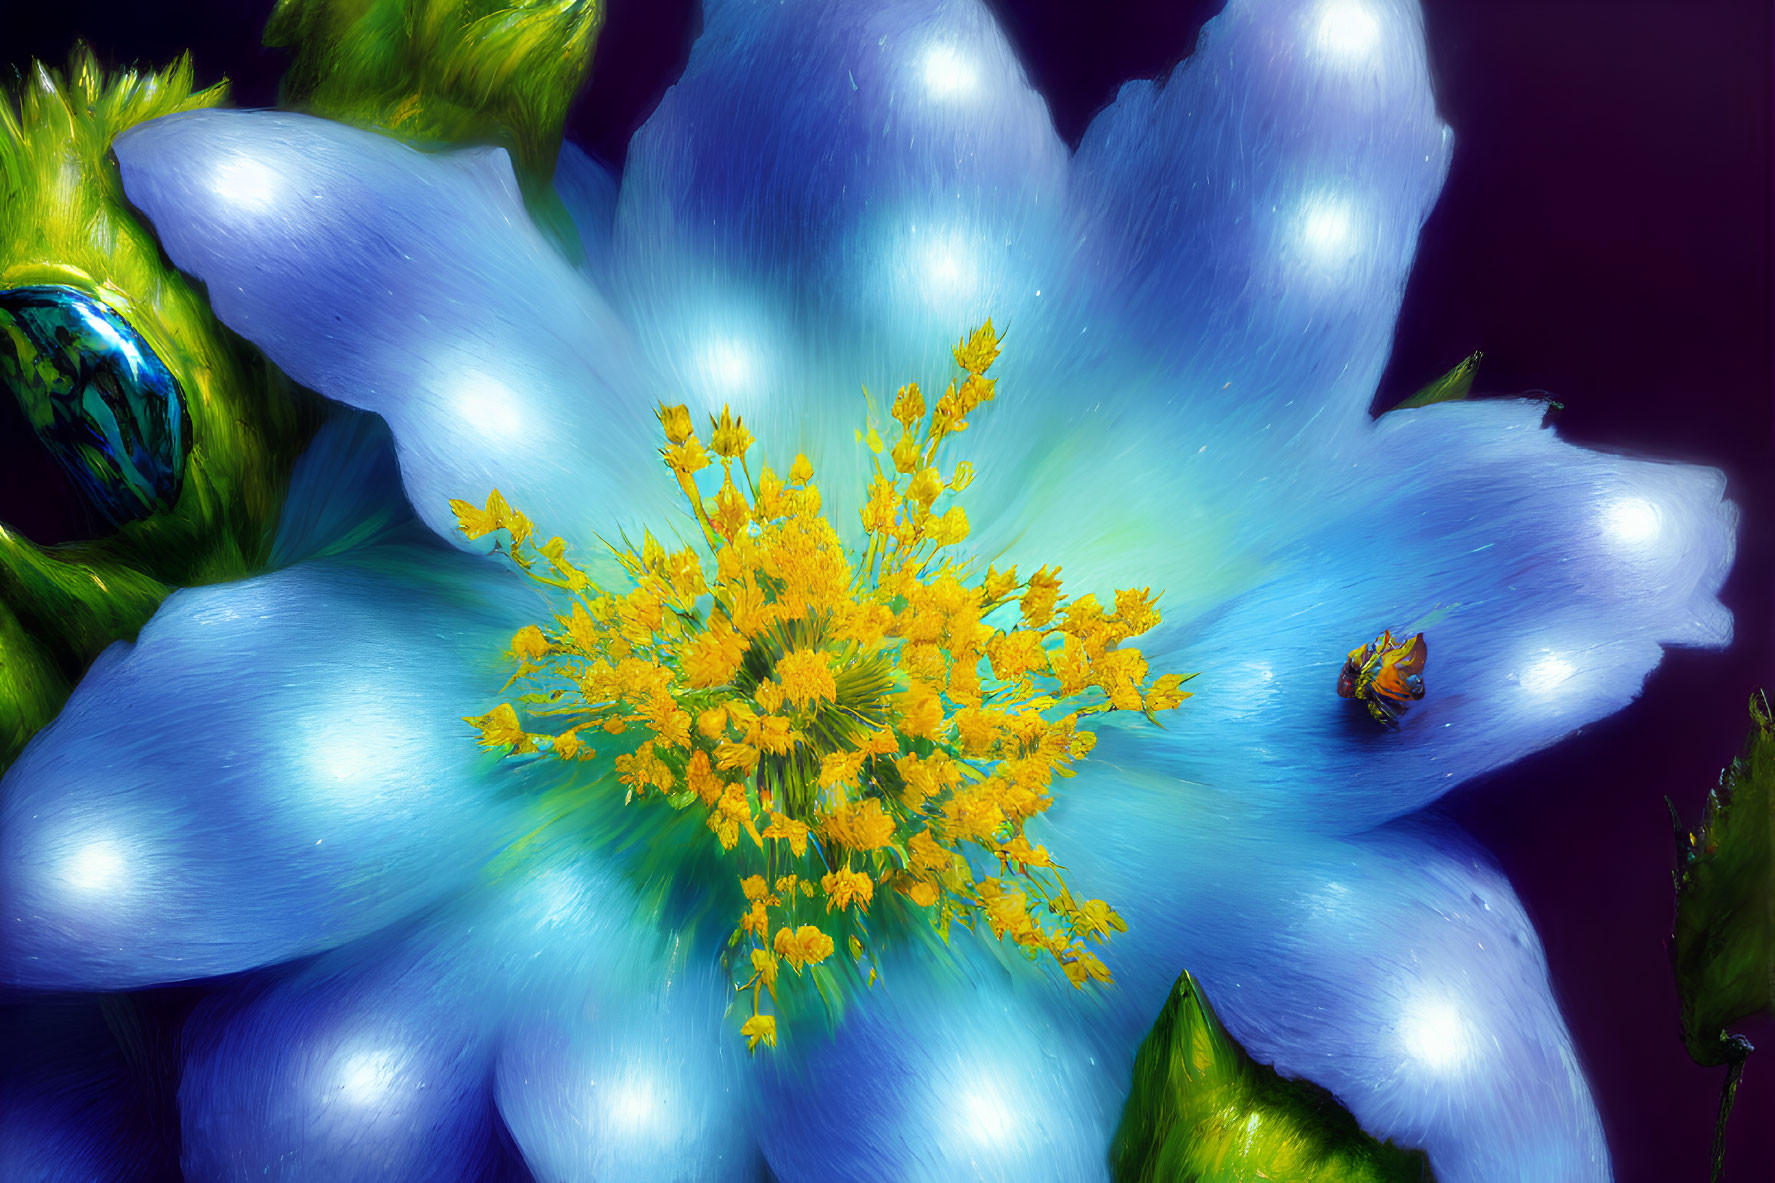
{"x":675,"y":421}
{"x":909,"y":404}
{"x":730,"y":439}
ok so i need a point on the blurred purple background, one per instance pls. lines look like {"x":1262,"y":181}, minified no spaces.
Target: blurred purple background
{"x":1604,"y":236}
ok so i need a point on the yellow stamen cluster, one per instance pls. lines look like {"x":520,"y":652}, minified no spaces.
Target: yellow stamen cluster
{"x":880,"y":727}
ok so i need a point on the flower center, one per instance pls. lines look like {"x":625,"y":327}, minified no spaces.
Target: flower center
{"x":885,"y":720}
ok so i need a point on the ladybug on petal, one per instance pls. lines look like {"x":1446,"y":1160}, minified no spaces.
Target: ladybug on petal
{"x":1385,"y":675}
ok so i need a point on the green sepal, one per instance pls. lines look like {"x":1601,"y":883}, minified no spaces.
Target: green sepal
{"x":32,"y":685}
{"x":1722,"y":946}
{"x":1202,"y":1111}
{"x":1453,"y":386}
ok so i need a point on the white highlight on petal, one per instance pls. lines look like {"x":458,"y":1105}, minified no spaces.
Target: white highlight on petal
{"x":943,"y":267}
{"x":1546,"y":673}
{"x":731,"y":363}
{"x":937,"y":268}
{"x":1326,"y":229}
{"x":489,"y":406}
{"x":948,"y":74}
{"x":1435,"y":1034}
{"x":248,"y":182}
{"x":356,"y":755}
{"x":557,"y":895}
{"x":634,"y":1106}
{"x":97,"y":866}
{"x":1347,"y":29}
{"x":1632,"y":520}
{"x":981,"y":1114}
{"x":365,"y":1078}
{"x":348,"y":757}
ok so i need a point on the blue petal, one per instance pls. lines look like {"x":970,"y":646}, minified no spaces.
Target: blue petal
{"x":1396,"y":969}
{"x":1258,"y":209}
{"x":968,"y":1071}
{"x":830,"y":195}
{"x":274,"y":767}
{"x":588,"y":190}
{"x":823,"y":202}
{"x":413,"y":285}
{"x":345,"y":491}
{"x":635,"y":1073}
{"x":619,"y":1060}
{"x":1544,"y":577}
{"x":370,"y":1064}
{"x":68,"y":1111}
{"x":395,"y":1057}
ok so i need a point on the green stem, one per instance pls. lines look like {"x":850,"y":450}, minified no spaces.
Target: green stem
{"x":1740,"y":1052}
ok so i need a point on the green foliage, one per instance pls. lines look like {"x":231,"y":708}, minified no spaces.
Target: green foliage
{"x":1723,"y":945}
{"x":67,"y":223}
{"x":1453,"y":386}
{"x":1201,"y":1111}
{"x":32,"y":686}
{"x":447,"y":72}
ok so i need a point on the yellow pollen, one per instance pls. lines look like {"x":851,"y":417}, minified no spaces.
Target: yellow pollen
{"x":840,"y":721}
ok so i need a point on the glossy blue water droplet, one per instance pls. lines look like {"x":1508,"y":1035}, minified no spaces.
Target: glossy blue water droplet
{"x":98,"y":397}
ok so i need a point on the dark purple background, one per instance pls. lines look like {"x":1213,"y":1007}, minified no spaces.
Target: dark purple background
{"x":1604,"y":235}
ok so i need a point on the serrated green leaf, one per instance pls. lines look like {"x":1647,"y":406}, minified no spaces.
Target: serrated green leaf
{"x":1722,"y":947}
{"x":1202,"y":1111}
{"x":1451,"y":387}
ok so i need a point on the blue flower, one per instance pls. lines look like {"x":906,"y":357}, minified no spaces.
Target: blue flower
{"x":1197,"y":304}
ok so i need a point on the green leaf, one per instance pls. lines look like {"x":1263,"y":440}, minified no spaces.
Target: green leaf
{"x":1451,"y":387}
{"x":1202,"y":1111}
{"x":1723,"y":945}
{"x":448,"y":72}
{"x":32,"y":686}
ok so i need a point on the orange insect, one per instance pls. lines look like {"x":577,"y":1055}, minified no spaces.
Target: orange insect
{"x":1386,"y":675}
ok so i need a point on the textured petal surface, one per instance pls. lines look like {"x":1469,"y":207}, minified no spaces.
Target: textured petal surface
{"x":588,"y":190}
{"x":634,"y":1074}
{"x":537,"y":998}
{"x":413,"y":285}
{"x":1396,"y":969}
{"x":1544,"y":577}
{"x":374,"y":1061}
{"x":971,"y":1073}
{"x":273,"y":767}
{"x":1251,"y":219}
{"x":825,"y":198}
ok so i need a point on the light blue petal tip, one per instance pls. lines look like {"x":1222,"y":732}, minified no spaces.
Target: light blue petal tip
{"x":1254,"y":217}
{"x":274,"y":767}
{"x":1545,"y":578}
{"x":413,"y":285}
{"x":1396,"y":969}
